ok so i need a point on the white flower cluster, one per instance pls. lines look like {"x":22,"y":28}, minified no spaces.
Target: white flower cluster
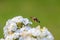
{"x":18,"y":28}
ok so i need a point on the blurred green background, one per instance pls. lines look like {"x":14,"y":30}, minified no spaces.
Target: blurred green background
{"x":47,"y":11}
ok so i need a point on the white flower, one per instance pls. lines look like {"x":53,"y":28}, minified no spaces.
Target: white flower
{"x":50,"y":36}
{"x":5,"y":29}
{"x":12,"y":36}
{"x":44,"y":38}
{"x":26,"y":21}
{"x":17,"y":19}
{"x":35,"y":32}
{"x":43,"y":32}
{"x":46,"y":35}
{"x":27,"y":38}
{"x":21,"y":38}
{"x":9,"y":37}
{"x":27,"y":27}
{"x":15,"y":35}
{"x":12,"y":27}
{"x":1,"y":39}
{"x":11,"y":31}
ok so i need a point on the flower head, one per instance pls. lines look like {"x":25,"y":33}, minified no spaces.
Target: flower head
{"x":18,"y":28}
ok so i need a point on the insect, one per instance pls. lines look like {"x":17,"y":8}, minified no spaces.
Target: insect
{"x":35,"y":19}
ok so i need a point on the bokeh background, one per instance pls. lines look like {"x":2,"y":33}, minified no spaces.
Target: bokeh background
{"x":47,"y":11}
